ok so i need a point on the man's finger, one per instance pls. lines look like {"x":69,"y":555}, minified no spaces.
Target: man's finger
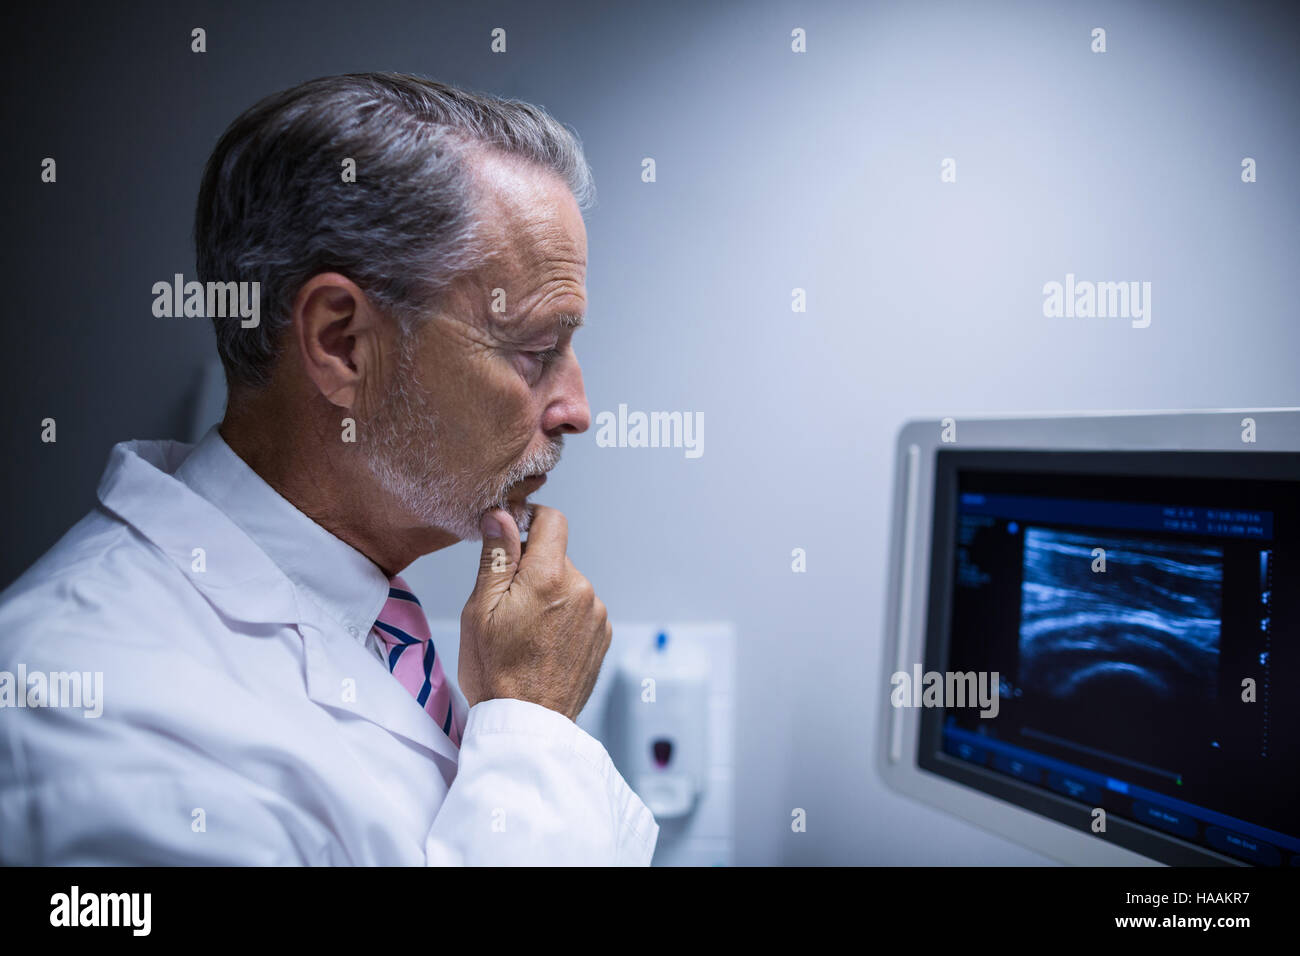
{"x":548,"y":538}
{"x":500,"y":557}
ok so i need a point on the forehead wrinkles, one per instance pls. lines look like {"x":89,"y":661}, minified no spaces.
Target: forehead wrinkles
{"x":525,"y":295}
{"x":532,"y":277}
{"x":541,"y":250}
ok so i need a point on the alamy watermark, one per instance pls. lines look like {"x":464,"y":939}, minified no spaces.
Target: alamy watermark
{"x":65,"y":689}
{"x":220,"y":300}
{"x":652,"y":430}
{"x":948,"y":690}
{"x":1098,"y":300}
{"x":75,"y":908}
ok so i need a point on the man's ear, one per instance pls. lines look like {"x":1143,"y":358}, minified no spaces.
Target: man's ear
{"x":338,"y":337}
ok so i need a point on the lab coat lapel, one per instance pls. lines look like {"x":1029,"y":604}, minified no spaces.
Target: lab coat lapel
{"x":239,"y":579}
{"x":210,"y":550}
{"x":344,"y":675}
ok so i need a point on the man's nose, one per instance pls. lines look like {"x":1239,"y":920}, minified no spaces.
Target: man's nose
{"x":568,"y":411}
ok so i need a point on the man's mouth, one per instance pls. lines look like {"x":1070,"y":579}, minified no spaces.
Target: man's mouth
{"x":533,"y":482}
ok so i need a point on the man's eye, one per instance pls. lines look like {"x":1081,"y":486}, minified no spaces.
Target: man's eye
{"x":547,"y":357}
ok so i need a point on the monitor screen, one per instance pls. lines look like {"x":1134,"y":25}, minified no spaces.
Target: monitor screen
{"x":1139,"y":616}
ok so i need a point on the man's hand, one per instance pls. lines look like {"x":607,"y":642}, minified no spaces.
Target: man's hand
{"x":533,"y":629}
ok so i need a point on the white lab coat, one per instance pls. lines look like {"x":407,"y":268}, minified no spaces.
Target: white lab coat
{"x":244,"y":719}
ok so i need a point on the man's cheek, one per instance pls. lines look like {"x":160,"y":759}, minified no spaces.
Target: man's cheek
{"x":507,"y":419}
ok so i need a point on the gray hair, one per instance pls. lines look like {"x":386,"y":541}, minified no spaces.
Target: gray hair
{"x":273,"y":207}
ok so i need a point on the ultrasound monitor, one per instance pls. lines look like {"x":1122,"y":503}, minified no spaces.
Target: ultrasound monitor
{"x":1126,"y":586}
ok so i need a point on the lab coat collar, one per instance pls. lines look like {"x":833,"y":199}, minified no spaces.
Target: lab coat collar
{"x":218,"y":559}
{"x":143,"y":486}
{"x":341,"y":580}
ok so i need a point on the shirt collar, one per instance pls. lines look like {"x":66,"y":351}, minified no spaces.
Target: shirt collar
{"x":335,"y":576}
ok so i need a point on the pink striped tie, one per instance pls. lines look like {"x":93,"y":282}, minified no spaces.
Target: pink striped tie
{"x":412,"y":657}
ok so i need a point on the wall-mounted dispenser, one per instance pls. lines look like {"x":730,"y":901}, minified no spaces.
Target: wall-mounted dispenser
{"x":662,"y":732}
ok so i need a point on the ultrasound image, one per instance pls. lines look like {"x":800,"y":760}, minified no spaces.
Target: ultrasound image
{"x":1141,"y":635}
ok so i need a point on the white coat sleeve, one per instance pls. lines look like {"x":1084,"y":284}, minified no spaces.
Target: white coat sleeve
{"x":534,"y":788}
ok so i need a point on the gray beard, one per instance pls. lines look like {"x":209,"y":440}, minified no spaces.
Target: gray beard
{"x":401,"y":447}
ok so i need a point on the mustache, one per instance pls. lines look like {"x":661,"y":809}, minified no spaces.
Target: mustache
{"x":536,"y":463}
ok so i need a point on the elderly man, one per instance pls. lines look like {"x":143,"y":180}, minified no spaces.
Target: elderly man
{"x":270,"y":691}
